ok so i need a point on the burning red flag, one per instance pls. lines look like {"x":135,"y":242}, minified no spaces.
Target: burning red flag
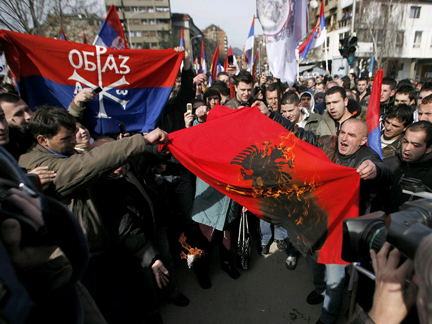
{"x":278,"y":177}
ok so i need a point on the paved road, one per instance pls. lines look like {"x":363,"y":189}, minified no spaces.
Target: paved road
{"x":266,"y":293}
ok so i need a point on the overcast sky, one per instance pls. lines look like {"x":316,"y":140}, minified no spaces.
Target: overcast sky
{"x":233,"y":16}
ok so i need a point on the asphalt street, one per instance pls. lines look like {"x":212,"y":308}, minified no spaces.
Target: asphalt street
{"x":267,"y":292}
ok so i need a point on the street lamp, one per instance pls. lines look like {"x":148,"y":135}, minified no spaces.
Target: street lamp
{"x":192,"y":47}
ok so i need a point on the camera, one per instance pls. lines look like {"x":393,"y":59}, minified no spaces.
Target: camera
{"x":256,"y":90}
{"x":404,"y":230}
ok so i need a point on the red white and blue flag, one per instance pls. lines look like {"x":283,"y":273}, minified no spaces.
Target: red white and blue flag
{"x":253,"y":67}
{"x":135,"y":83}
{"x":373,"y":115}
{"x":63,"y":36}
{"x":249,"y":46}
{"x":84,"y":38}
{"x":203,"y":64}
{"x":182,"y":39}
{"x":111,"y":34}
{"x":317,"y":38}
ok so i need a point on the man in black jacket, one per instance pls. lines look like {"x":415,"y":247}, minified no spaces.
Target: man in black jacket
{"x":413,"y":161}
{"x":348,"y":149}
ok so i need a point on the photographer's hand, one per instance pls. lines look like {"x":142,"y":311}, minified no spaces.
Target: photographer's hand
{"x":29,"y":256}
{"x":392,"y":298}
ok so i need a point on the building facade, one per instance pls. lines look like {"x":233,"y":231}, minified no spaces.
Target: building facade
{"x":216,"y":34}
{"x":397,"y":33}
{"x":145,"y":22}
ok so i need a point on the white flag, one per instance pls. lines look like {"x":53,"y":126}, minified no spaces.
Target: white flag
{"x":285,"y":23}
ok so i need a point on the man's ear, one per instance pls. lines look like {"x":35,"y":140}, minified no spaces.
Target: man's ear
{"x":392,"y":93}
{"x":346,"y":102}
{"x":429,"y":149}
{"x":42,"y":140}
{"x":363,"y":141}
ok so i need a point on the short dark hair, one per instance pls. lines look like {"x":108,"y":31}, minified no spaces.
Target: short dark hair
{"x":243,"y":76}
{"x":427,"y":100}
{"x":403,"y":112}
{"x":362,"y":79}
{"x":390,"y":81}
{"x":423,"y":126}
{"x":427,"y":86}
{"x":272,"y":87}
{"x":211,"y":92}
{"x":337,"y":89}
{"x":404,"y":82}
{"x":407,"y":89}
{"x":346,"y":81}
{"x":290,"y":97}
{"x":222,"y":73}
{"x":221,"y":86}
{"x":9,"y":98}
{"x":47,"y":120}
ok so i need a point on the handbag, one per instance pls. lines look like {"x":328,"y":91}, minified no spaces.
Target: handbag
{"x":244,"y":242}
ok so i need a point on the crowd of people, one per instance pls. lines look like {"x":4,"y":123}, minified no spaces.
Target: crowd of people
{"x":133,"y":203}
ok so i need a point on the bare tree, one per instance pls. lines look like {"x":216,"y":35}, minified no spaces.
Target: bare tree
{"x":38,"y":17}
{"x":23,"y":15}
{"x":379,"y":22}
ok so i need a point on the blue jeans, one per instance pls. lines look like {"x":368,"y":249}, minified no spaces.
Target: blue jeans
{"x":280,"y":233}
{"x":329,"y":280}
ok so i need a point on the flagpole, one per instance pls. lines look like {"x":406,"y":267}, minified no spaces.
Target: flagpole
{"x":326,"y":55}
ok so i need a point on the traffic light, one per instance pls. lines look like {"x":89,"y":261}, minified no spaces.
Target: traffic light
{"x":348,"y":47}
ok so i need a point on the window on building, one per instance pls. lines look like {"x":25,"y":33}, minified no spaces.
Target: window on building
{"x":127,"y":9}
{"x":162,"y":9}
{"x":150,"y":9}
{"x":379,"y":37}
{"x":415,"y":12}
{"x":135,"y":21}
{"x":153,"y":33}
{"x":326,"y":2}
{"x":399,"y":38}
{"x":154,"y":45}
{"x":144,"y":22}
{"x":143,"y":9}
{"x":133,"y":46}
{"x":151,"y":21}
{"x":134,"y":9}
{"x":139,"y":46}
{"x":417,"y":39}
{"x":138,"y":33}
{"x":145,"y":34}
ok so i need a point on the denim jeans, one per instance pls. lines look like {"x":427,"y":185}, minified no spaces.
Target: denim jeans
{"x":329,"y":281}
{"x":280,"y":233}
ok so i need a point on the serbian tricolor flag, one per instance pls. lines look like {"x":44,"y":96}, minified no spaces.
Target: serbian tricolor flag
{"x":275,"y":175}
{"x":135,"y":83}
{"x":215,"y":64}
{"x":253,"y":67}
{"x":230,"y":52}
{"x":317,"y":38}
{"x":111,"y":34}
{"x":373,"y":115}
{"x":203,"y":64}
{"x":196,"y":65}
{"x":181,"y":39}
{"x":84,"y":38}
{"x":63,"y":36}
{"x":249,"y":46}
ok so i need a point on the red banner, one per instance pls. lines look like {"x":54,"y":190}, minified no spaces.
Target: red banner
{"x":278,"y":177}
